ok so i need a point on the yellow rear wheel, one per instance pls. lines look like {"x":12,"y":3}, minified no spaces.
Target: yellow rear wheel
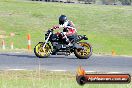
{"x":83,"y":53}
{"x":40,"y":52}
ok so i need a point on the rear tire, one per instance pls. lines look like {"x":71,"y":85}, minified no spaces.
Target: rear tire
{"x":39,"y":52}
{"x":83,"y":54}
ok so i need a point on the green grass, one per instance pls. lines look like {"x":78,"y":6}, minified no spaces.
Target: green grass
{"x":108,"y":27}
{"x":44,"y":79}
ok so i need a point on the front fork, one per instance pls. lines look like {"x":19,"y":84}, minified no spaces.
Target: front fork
{"x":46,"y":40}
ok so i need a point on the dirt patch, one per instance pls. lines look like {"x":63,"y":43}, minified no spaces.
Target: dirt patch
{"x":2,"y":32}
{"x":4,"y":35}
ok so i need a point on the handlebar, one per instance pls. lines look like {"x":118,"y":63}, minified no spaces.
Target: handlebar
{"x":52,"y":29}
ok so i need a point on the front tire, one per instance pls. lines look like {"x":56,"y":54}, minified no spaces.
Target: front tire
{"x":39,"y":52}
{"x":83,"y":54}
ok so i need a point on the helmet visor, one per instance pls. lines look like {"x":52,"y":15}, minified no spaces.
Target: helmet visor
{"x":61,"y":22}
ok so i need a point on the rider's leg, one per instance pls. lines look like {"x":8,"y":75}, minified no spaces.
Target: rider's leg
{"x":65,"y":38}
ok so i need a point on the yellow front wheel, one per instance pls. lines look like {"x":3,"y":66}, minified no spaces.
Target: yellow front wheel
{"x":40,"y":52}
{"x":83,"y":53}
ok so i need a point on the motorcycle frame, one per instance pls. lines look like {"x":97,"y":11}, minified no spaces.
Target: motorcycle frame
{"x":47,"y":40}
{"x":75,"y":46}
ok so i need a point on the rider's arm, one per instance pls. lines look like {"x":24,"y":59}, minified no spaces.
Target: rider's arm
{"x":72,"y":26}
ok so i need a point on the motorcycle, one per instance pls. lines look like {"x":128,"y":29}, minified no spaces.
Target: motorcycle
{"x":54,"y":45}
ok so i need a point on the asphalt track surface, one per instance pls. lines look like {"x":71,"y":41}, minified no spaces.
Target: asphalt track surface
{"x":28,"y":61}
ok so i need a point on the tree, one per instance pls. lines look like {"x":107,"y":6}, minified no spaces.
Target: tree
{"x":126,"y":2}
{"x":108,"y":2}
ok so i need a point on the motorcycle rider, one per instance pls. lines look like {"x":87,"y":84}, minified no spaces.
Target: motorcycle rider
{"x":68,"y":28}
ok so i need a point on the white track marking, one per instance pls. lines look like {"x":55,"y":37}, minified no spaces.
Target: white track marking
{"x":65,"y":71}
{"x":115,"y":72}
{"x":16,"y":69}
{"x":90,"y":71}
{"x":111,"y":55}
{"x":59,"y":70}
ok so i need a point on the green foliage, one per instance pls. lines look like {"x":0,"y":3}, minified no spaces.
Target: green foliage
{"x":36,"y":79}
{"x":107,"y":27}
{"x":126,"y":2}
